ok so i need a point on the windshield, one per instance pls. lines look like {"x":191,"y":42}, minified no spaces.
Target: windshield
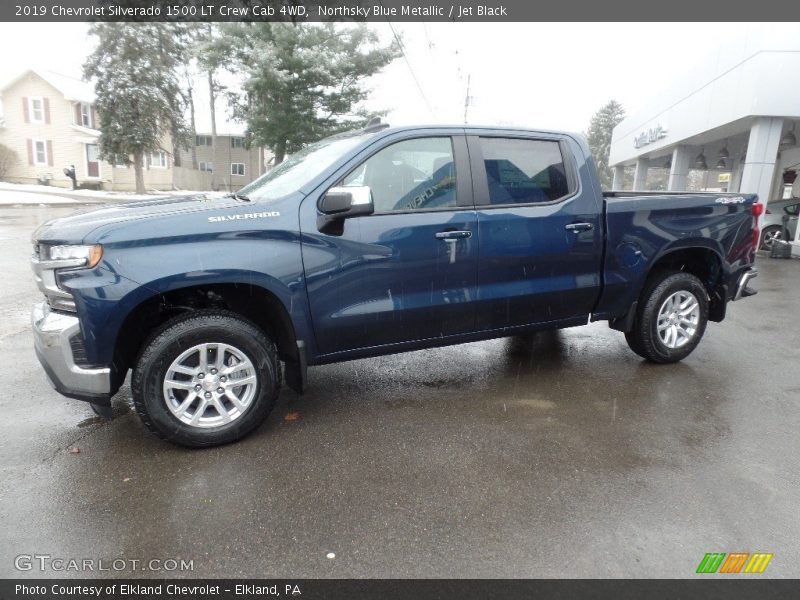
{"x":300,"y":168}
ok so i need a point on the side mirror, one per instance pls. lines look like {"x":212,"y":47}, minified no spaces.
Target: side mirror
{"x":340,"y":203}
{"x":347,"y":202}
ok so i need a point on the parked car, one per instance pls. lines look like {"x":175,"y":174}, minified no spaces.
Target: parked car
{"x":373,"y":242}
{"x":779,"y":222}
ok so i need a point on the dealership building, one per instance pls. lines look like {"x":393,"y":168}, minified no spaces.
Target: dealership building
{"x":731,"y":124}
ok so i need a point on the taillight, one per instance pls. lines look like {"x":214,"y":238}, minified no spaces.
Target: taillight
{"x":758,"y":210}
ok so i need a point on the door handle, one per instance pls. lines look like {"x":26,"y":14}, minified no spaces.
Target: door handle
{"x":453,"y":235}
{"x":576,"y":227}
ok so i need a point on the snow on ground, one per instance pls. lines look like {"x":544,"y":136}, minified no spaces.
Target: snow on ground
{"x":9,"y":198}
{"x":17,"y":193}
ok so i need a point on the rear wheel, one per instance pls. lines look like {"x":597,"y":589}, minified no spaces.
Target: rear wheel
{"x":206,"y":378}
{"x":671,"y":319}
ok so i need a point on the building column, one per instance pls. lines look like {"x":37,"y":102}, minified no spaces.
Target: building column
{"x":733,"y":186}
{"x":619,"y":178}
{"x":640,"y":177}
{"x":679,"y":171}
{"x":762,"y":154}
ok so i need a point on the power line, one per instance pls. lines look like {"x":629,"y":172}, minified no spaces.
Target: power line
{"x":410,"y":69}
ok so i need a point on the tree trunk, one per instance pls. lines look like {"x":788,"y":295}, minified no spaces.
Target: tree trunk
{"x":138,"y":173}
{"x":193,"y":123}
{"x":280,"y":152}
{"x":211,"y":104}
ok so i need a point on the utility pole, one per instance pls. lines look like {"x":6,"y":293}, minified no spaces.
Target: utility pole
{"x":466,"y":100}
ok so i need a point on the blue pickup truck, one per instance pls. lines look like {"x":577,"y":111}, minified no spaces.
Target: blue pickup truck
{"x":376,"y":241}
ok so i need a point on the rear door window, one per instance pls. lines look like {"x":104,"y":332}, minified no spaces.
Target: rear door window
{"x":520,"y":171}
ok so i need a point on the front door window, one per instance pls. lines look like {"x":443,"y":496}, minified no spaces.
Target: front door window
{"x":411,"y":175}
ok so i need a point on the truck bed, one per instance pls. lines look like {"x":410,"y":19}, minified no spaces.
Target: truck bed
{"x":643,"y":227}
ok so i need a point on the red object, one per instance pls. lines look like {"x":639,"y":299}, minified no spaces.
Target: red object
{"x":758,"y":210}
{"x":789,"y":176}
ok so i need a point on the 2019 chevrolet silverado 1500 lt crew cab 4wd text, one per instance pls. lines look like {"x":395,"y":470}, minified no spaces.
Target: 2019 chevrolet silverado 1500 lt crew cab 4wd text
{"x":377,"y":241}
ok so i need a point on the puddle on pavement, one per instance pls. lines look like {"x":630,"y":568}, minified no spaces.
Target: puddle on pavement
{"x":119,"y":408}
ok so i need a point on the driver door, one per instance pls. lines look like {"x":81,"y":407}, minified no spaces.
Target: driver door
{"x":408,"y":272}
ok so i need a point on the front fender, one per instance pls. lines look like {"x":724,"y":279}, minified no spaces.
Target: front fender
{"x":132,"y":274}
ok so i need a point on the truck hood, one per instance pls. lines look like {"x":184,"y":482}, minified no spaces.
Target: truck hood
{"x":75,"y":228}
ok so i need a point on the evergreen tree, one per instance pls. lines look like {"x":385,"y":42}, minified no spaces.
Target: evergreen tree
{"x":303,"y":82}
{"x":138,"y":95}
{"x":599,"y":138}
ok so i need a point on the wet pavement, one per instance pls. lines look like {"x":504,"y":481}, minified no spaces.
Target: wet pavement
{"x":559,"y":455}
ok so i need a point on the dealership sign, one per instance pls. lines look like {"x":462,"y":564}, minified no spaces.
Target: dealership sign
{"x":649,"y":136}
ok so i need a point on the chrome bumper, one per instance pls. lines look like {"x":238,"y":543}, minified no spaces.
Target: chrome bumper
{"x":51,"y":334}
{"x":742,"y":291}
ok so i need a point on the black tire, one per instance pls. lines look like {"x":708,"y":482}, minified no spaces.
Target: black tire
{"x":633,"y":343}
{"x":178,"y":335}
{"x":644,"y":339}
{"x":769,"y":235}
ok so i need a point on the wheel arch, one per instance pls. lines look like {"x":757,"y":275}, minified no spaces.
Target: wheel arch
{"x":254,"y":302}
{"x":703,"y":260}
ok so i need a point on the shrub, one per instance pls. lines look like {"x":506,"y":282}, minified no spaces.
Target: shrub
{"x":7,"y":159}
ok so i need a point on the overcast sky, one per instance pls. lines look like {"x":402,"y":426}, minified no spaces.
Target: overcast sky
{"x":549,"y":75}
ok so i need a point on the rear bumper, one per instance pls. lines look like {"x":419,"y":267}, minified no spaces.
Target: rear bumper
{"x":742,"y":291}
{"x":51,"y":340}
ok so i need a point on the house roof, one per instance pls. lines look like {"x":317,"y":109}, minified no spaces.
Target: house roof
{"x":74,"y":90}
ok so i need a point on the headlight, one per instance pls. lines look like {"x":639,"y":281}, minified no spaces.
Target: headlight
{"x":89,"y":255}
{"x":49,"y":261}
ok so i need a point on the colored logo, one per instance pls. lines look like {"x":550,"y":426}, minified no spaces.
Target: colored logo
{"x":734,"y":562}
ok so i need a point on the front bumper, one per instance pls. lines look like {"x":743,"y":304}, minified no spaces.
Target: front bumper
{"x":742,"y":291}
{"x":51,"y":340}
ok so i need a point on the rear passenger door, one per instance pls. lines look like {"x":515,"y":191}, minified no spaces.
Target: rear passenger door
{"x":539,"y":231}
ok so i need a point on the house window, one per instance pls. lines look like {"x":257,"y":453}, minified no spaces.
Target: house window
{"x":237,"y":142}
{"x":237,"y":168}
{"x":119,"y":161}
{"x":158,"y":160}
{"x":86,"y":115}
{"x":36,"y":106}
{"x":205,"y":166}
{"x":39,"y":152}
{"x":203,"y":140}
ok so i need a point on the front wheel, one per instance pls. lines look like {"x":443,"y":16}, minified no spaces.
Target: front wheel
{"x":206,"y":378}
{"x":671,"y":318}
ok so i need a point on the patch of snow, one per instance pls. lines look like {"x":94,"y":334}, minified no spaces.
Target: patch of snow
{"x":10,"y":197}
{"x":23,"y":193}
